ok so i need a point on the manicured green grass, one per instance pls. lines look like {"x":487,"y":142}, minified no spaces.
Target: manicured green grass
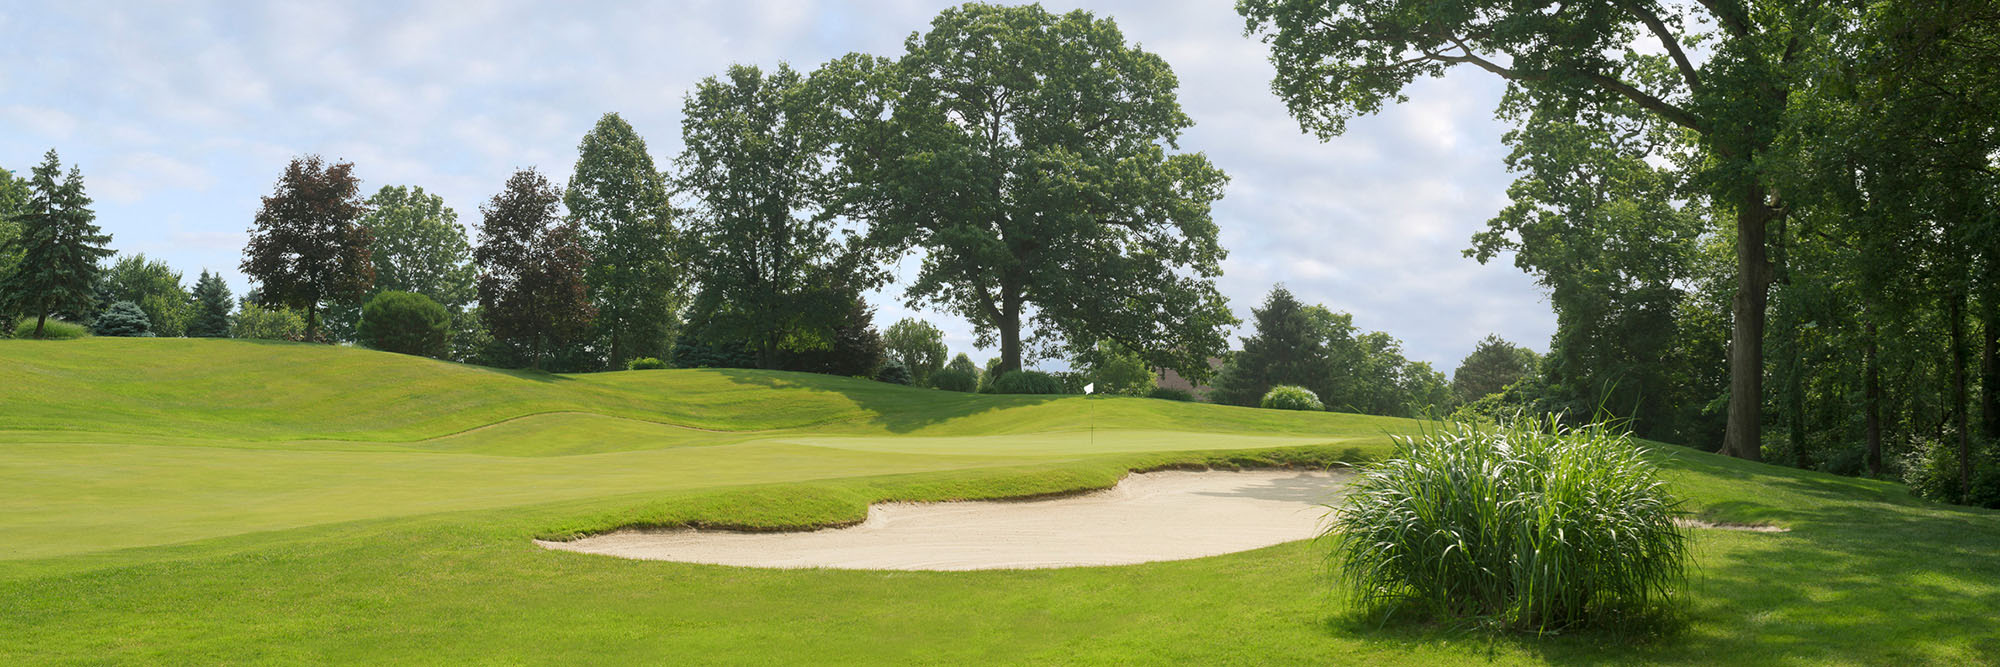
{"x":171,"y":500}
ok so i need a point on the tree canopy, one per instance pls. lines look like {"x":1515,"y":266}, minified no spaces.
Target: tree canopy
{"x":532,"y":295}
{"x":1029,"y":155}
{"x":635,"y":275}
{"x":58,"y":245}
{"x":308,"y":247}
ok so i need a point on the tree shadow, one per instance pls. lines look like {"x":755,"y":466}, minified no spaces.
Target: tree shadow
{"x":895,"y":408}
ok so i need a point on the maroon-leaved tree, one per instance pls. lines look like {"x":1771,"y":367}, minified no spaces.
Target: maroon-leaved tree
{"x":532,"y":295}
{"x":308,"y":248}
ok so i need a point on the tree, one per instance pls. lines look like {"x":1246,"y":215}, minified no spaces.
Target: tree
{"x":418,"y":246}
{"x":918,"y":346}
{"x":14,"y":194}
{"x":853,"y":347}
{"x":155,"y":287}
{"x":211,"y":307}
{"x":1027,"y":154}
{"x":256,"y":322}
{"x":532,"y":296}
{"x":58,"y":245}
{"x":1493,"y":365}
{"x":123,"y":319}
{"x":635,"y":279}
{"x":760,"y":241}
{"x":1288,"y":348}
{"x":1339,"y":58}
{"x":308,"y":248}
{"x":405,"y":322}
{"x":1118,"y":371}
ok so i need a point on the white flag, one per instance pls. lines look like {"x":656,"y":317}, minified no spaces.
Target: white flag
{"x":1090,"y":388}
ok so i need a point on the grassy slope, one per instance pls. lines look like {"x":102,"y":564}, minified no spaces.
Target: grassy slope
{"x":221,"y":500}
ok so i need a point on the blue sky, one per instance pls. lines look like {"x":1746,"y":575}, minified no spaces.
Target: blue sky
{"x":183,"y":114}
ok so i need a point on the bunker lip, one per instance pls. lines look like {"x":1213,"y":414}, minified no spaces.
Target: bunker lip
{"x":1153,"y":516}
{"x":1724,"y":525}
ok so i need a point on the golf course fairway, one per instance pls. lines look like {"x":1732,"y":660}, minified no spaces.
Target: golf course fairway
{"x":204,"y":501}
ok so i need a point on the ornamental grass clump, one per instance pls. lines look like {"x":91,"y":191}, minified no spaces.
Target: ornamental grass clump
{"x":1526,"y":524}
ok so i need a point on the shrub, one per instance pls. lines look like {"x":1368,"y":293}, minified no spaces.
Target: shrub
{"x":1525,"y":524}
{"x":404,"y":322}
{"x":124,"y":319}
{"x":953,"y":379}
{"x":963,"y":364}
{"x":1288,"y":397}
{"x":1117,"y":369}
{"x":1027,"y":382}
{"x":645,"y":364}
{"x":1931,"y":470}
{"x":254,"y":321}
{"x":52,"y":329}
{"x":893,"y":372}
{"x":1171,"y":394}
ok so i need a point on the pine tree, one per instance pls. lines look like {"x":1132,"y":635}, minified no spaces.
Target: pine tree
{"x":59,"y":246}
{"x":1289,"y":348}
{"x":211,"y":307}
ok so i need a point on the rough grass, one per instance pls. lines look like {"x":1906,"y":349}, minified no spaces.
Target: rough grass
{"x":227,"y":501}
{"x":53,"y":329}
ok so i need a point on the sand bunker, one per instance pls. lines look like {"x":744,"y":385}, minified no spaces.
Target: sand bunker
{"x":1147,"y":517}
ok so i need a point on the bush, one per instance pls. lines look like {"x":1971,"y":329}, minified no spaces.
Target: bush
{"x":258,"y":322}
{"x":1288,"y":397}
{"x":124,"y":319}
{"x":893,"y":372}
{"x":1931,"y":470}
{"x":953,"y":379}
{"x":1525,"y":524}
{"x":645,"y":364}
{"x":404,"y":322}
{"x":1171,"y":394}
{"x":52,"y":329}
{"x":963,"y":364}
{"x":1027,"y":382}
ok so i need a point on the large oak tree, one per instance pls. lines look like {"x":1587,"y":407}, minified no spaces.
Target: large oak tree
{"x":1030,"y":156}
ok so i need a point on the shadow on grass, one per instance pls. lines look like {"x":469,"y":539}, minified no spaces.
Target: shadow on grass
{"x":896,"y":408}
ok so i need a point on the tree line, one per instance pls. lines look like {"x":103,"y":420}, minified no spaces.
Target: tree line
{"x":1766,"y":227}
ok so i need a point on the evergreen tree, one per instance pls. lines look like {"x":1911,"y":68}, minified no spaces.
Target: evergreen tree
{"x":1492,"y":366}
{"x":123,"y":319}
{"x":59,"y":245}
{"x":1287,"y":349}
{"x":211,"y":307}
{"x":154,"y":287}
{"x":620,"y":200}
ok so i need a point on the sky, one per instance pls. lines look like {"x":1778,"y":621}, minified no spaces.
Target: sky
{"x":183,"y":114}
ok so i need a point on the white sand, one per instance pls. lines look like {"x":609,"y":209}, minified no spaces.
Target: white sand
{"x":1147,"y":517}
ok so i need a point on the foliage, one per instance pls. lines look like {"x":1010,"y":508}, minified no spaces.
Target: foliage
{"x":955,"y":379}
{"x":852,"y":347}
{"x":58,"y":246}
{"x":1288,"y":397}
{"x":14,"y":195}
{"x":1027,"y":154}
{"x":1931,"y":469}
{"x":1288,"y":347}
{"x":893,"y":372}
{"x":51,"y":329}
{"x":917,"y":346}
{"x":1170,"y":394}
{"x":257,"y":322}
{"x":1027,"y":382}
{"x":407,"y":323}
{"x":418,"y":246}
{"x":532,"y":296}
{"x":1321,"y":350}
{"x":1493,"y":365}
{"x":309,"y":247}
{"x":644,"y":364}
{"x":1118,"y":370}
{"x":155,"y":288}
{"x":470,"y":341}
{"x":759,"y":240}
{"x":1528,"y":524}
{"x":964,"y":364}
{"x":123,"y":319}
{"x":212,"y":300}
{"x":635,"y":278}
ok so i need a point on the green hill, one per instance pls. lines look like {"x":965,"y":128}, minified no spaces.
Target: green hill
{"x":230,"y":501}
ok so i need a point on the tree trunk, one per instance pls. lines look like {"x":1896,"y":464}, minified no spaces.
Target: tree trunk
{"x":1989,"y":370}
{"x":767,"y":355}
{"x":1960,"y":417}
{"x":40,"y":321}
{"x":1871,"y":398}
{"x":1010,"y":328}
{"x":1742,"y":437}
{"x":312,"y":323}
